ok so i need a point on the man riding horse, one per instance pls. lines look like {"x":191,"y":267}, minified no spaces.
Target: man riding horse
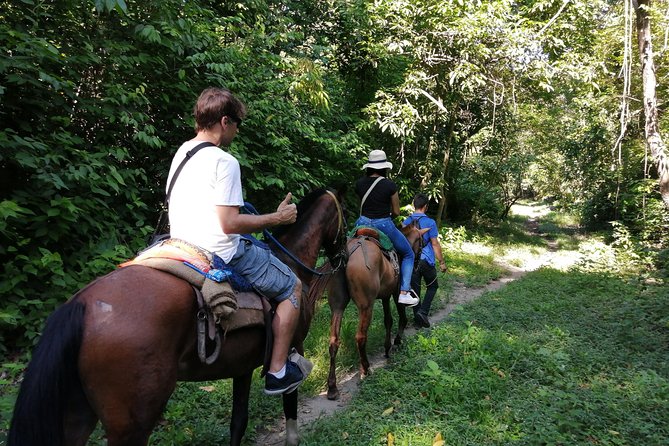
{"x":204,"y":209}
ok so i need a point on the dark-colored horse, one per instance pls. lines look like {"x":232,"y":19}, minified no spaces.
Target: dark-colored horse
{"x":368,"y":276}
{"x":115,"y":351}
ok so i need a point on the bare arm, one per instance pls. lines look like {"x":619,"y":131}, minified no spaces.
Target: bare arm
{"x":395,"y":205}
{"x":438,"y":254}
{"x":232,"y":222}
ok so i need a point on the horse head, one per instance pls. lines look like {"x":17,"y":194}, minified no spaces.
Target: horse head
{"x":414,"y":235}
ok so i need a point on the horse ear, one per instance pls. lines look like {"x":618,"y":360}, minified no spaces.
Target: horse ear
{"x":340,"y":190}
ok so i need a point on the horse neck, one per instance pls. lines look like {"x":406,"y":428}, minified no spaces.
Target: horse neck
{"x":305,"y":240}
{"x":413,"y":237}
{"x":319,"y":225}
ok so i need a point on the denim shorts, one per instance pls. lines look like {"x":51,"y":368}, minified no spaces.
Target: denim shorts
{"x":268,"y":275}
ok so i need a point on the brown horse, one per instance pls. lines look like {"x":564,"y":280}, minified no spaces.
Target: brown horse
{"x":368,"y":276}
{"x":115,"y":351}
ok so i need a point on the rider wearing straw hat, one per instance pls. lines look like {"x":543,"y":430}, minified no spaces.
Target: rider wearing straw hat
{"x":380,"y":202}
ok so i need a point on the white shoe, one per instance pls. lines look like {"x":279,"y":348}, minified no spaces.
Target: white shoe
{"x":408,"y":300}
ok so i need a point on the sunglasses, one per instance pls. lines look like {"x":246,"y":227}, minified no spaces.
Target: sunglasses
{"x":236,"y":120}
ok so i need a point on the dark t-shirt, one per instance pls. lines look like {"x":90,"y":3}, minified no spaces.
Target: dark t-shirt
{"x":377,"y":204}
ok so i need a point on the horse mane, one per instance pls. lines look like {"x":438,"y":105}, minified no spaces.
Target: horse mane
{"x":318,"y":285}
{"x":302,"y":207}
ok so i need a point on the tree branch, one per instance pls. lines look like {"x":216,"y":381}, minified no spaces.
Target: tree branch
{"x":554,"y":18}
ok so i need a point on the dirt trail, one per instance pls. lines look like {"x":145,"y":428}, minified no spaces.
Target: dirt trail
{"x":311,"y":409}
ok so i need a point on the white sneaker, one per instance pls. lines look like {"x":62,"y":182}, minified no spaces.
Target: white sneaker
{"x":408,"y":300}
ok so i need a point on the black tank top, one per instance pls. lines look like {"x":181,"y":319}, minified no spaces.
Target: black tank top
{"x":377,"y":204}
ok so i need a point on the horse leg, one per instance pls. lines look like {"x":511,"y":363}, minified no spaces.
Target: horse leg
{"x":401,"y":325}
{"x":129,"y":420}
{"x":338,"y":298}
{"x":290,"y":407}
{"x":335,"y":341}
{"x":290,"y":412}
{"x":79,"y":420}
{"x":388,"y":324}
{"x":241,"y":388}
{"x":128,"y":386}
{"x":365,"y":319}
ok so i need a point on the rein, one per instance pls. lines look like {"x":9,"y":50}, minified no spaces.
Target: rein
{"x":340,"y":230}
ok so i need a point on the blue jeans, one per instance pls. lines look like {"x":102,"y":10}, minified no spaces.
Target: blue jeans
{"x":400,"y":243}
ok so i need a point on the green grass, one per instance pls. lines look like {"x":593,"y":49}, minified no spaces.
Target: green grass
{"x":553,"y":358}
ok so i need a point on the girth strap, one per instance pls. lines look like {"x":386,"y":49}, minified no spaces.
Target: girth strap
{"x":390,"y":255}
{"x":268,"y":312}
{"x":206,"y":328}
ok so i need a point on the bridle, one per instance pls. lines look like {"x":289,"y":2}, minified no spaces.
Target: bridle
{"x":340,"y":257}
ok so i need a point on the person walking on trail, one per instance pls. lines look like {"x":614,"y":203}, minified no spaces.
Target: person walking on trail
{"x":425,"y":270}
{"x":204,"y":210}
{"x":379,"y":204}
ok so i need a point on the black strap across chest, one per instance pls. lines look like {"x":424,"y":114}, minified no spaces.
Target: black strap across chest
{"x":188,"y":156}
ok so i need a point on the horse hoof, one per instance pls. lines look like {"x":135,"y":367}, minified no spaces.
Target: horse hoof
{"x":292,"y":435}
{"x":333,"y":394}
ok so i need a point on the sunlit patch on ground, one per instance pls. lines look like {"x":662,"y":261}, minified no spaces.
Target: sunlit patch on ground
{"x":530,"y":259}
{"x":476,"y":248}
{"x":530,"y":210}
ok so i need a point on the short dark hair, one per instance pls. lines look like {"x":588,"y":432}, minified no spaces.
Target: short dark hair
{"x":213,"y":104}
{"x":420,"y":200}
{"x":371,"y":171}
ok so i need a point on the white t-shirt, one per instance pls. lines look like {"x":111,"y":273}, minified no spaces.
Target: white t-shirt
{"x":209,"y":179}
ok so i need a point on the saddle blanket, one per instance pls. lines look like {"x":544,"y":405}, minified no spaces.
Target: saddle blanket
{"x":192,"y":264}
{"x":176,"y":249}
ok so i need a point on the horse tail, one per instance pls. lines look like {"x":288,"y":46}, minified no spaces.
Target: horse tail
{"x":50,"y":377}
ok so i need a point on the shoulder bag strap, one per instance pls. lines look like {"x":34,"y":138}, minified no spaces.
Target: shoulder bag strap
{"x":189,"y":155}
{"x":368,"y":191}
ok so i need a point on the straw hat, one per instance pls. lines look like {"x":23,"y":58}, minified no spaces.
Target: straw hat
{"x":378,"y":160}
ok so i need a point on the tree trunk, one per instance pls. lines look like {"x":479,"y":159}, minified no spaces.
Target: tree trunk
{"x":652,"y":129}
{"x":444,"y":173}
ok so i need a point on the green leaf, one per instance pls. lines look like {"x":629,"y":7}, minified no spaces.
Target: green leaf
{"x":117,"y":176}
{"x":121,"y":6}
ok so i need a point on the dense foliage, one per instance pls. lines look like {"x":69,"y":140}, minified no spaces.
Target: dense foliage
{"x":95,"y":99}
{"x":477,"y":103}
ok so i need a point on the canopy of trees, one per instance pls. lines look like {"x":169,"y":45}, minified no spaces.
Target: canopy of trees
{"x":478,"y":103}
